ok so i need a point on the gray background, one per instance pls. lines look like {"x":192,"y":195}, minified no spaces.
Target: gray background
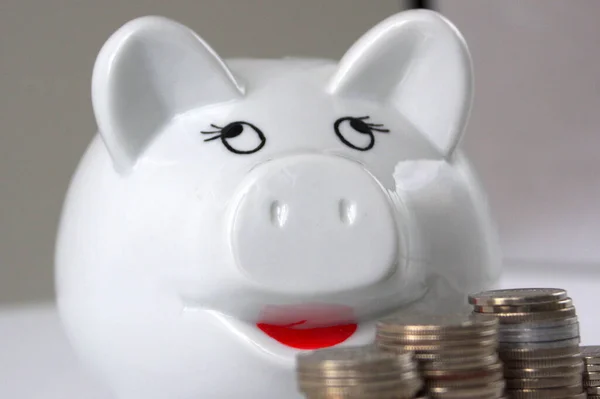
{"x":533,"y":135}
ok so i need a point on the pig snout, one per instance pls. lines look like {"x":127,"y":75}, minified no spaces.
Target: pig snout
{"x":310,"y":224}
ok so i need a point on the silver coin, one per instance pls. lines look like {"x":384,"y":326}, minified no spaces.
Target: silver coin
{"x":517,"y":296}
{"x":539,"y":345}
{"x":539,"y":324}
{"x":517,"y":329}
{"x":591,"y":352}
{"x":540,"y":334}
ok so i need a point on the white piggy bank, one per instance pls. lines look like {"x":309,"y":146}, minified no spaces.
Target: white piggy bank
{"x":231,"y":214}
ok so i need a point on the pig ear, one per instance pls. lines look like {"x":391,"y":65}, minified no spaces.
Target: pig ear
{"x":417,"y":62}
{"x":149,"y":71}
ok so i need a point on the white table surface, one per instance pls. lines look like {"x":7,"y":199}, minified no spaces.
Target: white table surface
{"x":36,"y":361}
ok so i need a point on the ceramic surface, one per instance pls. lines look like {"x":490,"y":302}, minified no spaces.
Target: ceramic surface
{"x":230,"y":214}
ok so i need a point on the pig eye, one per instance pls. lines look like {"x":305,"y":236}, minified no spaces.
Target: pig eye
{"x":238,"y":137}
{"x":356,"y":133}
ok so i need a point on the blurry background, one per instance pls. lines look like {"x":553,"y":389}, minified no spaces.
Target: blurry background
{"x":532,"y":137}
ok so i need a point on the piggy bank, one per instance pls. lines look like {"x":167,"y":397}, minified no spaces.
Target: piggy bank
{"x":230,"y":214}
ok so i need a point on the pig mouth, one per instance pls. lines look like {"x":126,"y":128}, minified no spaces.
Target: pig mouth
{"x":316,"y":326}
{"x":308,"y":338}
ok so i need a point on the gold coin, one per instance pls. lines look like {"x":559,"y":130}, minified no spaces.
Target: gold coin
{"x":532,"y":307}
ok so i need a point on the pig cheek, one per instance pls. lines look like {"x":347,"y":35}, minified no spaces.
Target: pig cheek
{"x":204,"y":271}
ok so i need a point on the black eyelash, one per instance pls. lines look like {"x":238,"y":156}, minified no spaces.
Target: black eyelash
{"x":378,"y":130}
{"x":213,"y":138}
{"x":218,"y":132}
{"x":374,"y":126}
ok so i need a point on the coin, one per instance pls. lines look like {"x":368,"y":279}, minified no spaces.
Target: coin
{"x":538,"y":324}
{"x":415,"y":345}
{"x":423,"y":357}
{"x":467,"y":383}
{"x":592,"y":375}
{"x":456,"y":353}
{"x":374,"y":379}
{"x":363,"y":390}
{"x":357,"y":373}
{"x":455,"y":372}
{"x":542,"y":372}
{"x":494,"y":389}
{"x":543,"y":382}
{"x":517,"y":296}
{"x":434,"y":351}
{"x":354,"y":372}
{"x":540,"y":334}
{"x":538,"y":341}
{"x":574,"y":392}
{"x":530,"y":354}
{"x":459,"y":363}
{"x":520,"y":317}
{"x":542,"y":363}
{"x":365,"y":357}
{"x":459,"y":324}
{"x":539,"y":345}
{"x":491,"y":332}
{"x":531,"y":307}
{"x":591,"y":354}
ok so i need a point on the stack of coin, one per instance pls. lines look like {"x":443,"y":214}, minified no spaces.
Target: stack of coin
{"x":591,"y":374}
{"x":538,"y":341}
{"x":361,"y":372}
{"x":456,"y":353}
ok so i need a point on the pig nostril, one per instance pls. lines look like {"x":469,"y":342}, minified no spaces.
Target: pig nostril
{"x":347,"y":211}
{"x":279,"y":213}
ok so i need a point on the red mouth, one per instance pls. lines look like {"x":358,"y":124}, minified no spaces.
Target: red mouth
{"x":308,"y":338}
{"x":300,"y":335}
